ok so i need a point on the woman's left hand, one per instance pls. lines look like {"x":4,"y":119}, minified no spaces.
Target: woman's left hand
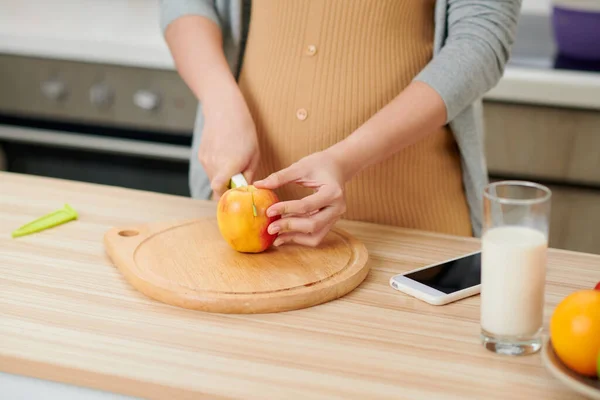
{"x":307,"y":221}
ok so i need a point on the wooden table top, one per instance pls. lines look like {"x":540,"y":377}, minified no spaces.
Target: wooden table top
{"x":66,"y":314}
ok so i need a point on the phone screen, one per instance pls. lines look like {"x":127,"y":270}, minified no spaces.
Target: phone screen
{"x":451,"y":276}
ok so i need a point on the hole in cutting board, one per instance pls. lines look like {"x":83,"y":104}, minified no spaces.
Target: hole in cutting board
{"x":128,"y":233}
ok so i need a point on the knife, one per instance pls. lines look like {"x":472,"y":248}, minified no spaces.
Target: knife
{"x":58,"y":217}
{"x":237,"y":180}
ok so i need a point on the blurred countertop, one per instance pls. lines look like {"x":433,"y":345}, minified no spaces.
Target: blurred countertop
{"x":122,"y":32}
{"x":126,"y":32}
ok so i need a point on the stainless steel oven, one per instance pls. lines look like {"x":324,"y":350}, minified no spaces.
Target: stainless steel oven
{"x":116,"y":125}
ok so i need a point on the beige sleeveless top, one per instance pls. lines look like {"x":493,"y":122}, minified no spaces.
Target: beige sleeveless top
{"x":315,"y":70}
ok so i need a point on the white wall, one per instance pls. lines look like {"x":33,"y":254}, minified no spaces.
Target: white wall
{"x":536,"y":6}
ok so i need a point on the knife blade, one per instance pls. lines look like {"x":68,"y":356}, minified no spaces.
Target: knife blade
{"x":237,"y":180}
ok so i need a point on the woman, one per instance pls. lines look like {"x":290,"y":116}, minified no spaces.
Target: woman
{"x":366,"y":109}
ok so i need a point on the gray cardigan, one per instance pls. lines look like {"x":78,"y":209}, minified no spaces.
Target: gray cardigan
{"x":472,"y":45}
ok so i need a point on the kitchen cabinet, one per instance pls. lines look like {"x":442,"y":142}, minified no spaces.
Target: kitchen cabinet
{"x":558,"y":147}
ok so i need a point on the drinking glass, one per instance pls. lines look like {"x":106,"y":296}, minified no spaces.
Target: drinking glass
{"x":516,"y":218}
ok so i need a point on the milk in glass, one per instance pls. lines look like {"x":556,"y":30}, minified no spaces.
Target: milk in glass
{"x":513,"y":275}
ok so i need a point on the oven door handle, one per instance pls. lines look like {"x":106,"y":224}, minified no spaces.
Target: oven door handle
{"x":96,"y":144}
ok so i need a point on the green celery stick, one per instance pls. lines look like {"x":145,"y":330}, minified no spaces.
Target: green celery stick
{"x":55,"y":218}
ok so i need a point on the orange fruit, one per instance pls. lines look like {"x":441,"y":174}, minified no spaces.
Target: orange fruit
{"x":575,"y":331}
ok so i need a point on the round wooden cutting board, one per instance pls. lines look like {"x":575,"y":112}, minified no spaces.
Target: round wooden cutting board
{"x":188,"y":264}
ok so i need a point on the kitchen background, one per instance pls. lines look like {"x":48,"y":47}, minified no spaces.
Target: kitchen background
{"x":88,"y":92}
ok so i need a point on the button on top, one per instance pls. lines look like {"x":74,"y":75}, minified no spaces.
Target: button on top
{"x":311,"y":50}
{"x":301,"y":114}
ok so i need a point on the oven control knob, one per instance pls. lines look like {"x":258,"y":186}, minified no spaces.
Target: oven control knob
{"x":101,"y":95}
{"x":54,"y":89}
{"x":146,"y":100}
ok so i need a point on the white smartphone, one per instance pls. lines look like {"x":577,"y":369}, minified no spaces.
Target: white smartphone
{"x":442,"y":283}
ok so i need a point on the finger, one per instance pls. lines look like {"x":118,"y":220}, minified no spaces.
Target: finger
{"x":308,"y":214}
{"x":280,"y":178}
{"x":311,"y":224}
{"x":220,"y":182}
{"x":304,"y":239}
{"x":223,"y":173}
{"x":250,"y":171}
{"x":322,"y":198}
{"x":219,"y":185}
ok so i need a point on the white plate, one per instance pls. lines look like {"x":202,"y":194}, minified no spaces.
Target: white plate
{"x":585,"y":386}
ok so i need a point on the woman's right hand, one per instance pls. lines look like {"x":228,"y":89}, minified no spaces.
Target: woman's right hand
{"x":229,"y":144}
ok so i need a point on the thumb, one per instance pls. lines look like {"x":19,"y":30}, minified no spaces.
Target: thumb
{"x":279,"y":178}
